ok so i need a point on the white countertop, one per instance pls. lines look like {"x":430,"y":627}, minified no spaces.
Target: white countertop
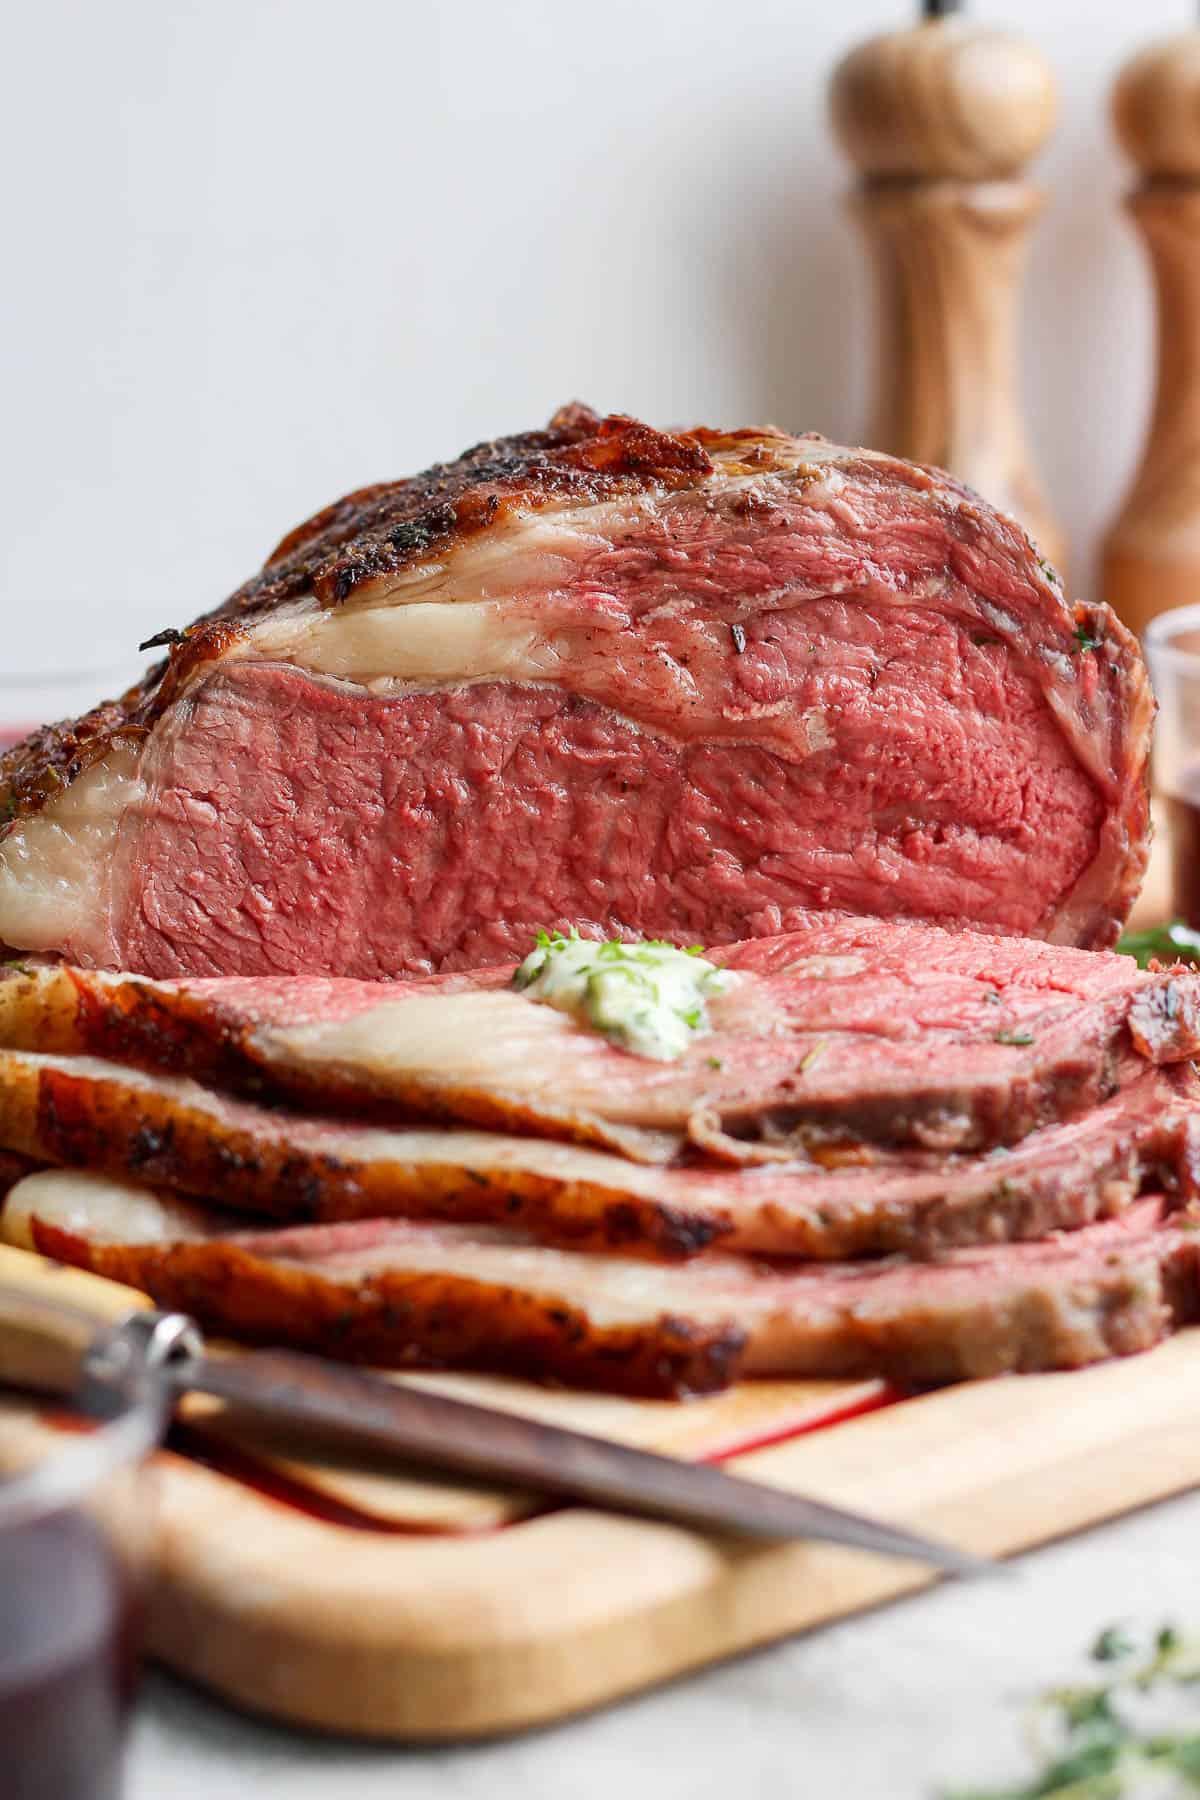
{"x":896,"y":1705}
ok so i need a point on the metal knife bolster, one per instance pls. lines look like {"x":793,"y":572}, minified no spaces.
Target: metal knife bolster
{"x":143,"y":1348}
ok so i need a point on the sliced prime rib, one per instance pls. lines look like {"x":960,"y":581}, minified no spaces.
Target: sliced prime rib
{"x":676,"y":685}
{"x":169,"y":1132}
{"x":392,"y":1292}
{"x":846,"y":1028}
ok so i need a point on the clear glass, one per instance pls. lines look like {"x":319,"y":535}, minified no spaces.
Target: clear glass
{"x":1173,"y":653}
{"x":28,"y":700}
{"x":76,"y":1521}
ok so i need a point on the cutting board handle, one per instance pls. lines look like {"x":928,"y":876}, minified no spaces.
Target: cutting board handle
{"x":49,"y":1316}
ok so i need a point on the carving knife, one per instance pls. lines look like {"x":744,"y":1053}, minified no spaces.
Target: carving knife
{"x":66,"y":1348}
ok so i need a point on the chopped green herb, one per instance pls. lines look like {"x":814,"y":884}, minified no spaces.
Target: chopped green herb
{"x":648,"y":997}
{"x":1102,"y":1746}
{"x":1048,"y":572}
{"x":1085,"y":640}
{"x":1014,"y":1037}
{"x":1113,"y":1643}
{"x":1163,"y":943}
{"x":714,"y":1062}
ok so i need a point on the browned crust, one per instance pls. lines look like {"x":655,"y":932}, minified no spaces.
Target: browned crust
{"x":1115,"y":1305}
{"x":375,"y":531}
{"x":412,"y":1320}
{"x":51,"y":758}
{"x":1117,"y":669}
{"x":13,"y":1168}
{"x":1112,"y":1303}
{"x":86,"y":1122}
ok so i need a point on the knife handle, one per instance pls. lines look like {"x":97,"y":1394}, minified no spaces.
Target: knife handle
{"x":50,"y":1316}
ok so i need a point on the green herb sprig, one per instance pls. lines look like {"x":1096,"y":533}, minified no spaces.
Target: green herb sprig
{"x":1090,"y":1740}
{"x":1176,"y":942}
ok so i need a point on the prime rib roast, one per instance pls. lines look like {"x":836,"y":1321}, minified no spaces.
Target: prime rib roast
{"x":262,"y":1054}
{"x":682,"y":685}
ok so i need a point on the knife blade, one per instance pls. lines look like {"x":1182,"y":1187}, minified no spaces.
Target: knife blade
{"x":355,"y":1407}
{"x":65,"y":1332}
{"x":468,"y":1439}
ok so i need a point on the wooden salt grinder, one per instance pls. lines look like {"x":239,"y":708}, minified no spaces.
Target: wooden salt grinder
{"x":941,"y":120}
{"x":1152,"y":553}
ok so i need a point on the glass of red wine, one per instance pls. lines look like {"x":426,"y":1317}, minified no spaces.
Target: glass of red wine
{"x":1173,"y":652}
{"x":76,"y":1521}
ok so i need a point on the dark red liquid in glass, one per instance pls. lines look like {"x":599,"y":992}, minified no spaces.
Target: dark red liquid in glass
{"x":1183,"y":818}
{"x":66,"y":1661}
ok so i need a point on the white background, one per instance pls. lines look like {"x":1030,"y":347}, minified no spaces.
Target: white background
{"x":257,"y":252}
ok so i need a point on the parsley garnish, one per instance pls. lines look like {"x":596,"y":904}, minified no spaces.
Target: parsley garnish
{"x":1019,"y":1038}
{"x":1085,"y":640}
{"x":1101,"y":1746}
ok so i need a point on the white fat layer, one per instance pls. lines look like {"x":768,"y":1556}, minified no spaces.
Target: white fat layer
{"x":610,"y":1289}
{"x":498,"y":1038}
{"x":92,"y":1206}
{"x":460,"y":619}
{"x":421,"y":642}
{"x":55,"y":866}
{"x":450,"y":1147}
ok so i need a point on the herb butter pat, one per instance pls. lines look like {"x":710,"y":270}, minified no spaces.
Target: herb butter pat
{"x":649,"y":998}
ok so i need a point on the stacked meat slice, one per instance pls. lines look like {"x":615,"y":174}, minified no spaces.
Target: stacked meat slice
{"x":898,"y":1149}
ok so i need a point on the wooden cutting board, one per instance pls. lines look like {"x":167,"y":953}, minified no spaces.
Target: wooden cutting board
{"x":389,"y":1603}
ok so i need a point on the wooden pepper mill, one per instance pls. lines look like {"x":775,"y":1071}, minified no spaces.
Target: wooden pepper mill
{"x":941,"y":120}
{"x":1152,"y":553}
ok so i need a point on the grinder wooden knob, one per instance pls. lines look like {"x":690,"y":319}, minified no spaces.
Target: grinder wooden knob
{"x":940,"y":120}
{"x":1152,"y":553}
